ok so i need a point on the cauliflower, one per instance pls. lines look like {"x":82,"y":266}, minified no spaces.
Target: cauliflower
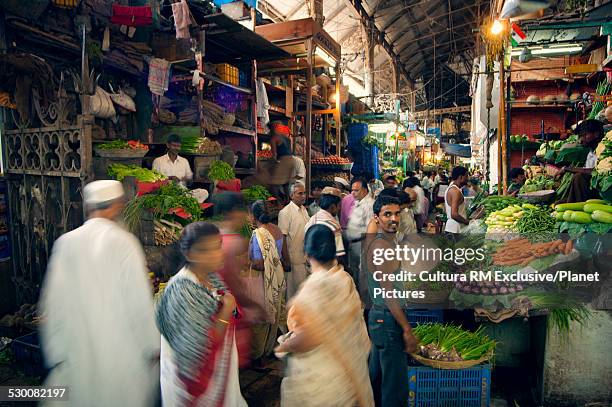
{"x":601,"y":147}
{"x":604,"y":166}
{"x":608,"y":136}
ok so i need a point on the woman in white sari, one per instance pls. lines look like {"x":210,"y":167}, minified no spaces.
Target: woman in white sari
{"x":196,"y":316}
{"x":328,"y":343}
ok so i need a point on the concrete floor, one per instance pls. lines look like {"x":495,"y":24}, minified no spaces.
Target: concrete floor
{"x":261,"y":386}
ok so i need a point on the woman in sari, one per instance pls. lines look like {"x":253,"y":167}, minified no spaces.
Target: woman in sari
{"x":196,"y":316}
{"x":328,"y":342}
{"x":269,"y":258}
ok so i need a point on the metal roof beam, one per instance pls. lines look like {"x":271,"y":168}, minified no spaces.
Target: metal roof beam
{"x":334,"y":13}
{"x":295,"y":9}
{"x":267,"y":8}
{"x":368,"y":22}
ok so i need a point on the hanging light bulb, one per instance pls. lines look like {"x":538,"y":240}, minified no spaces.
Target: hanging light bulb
{"x":497,"y":27}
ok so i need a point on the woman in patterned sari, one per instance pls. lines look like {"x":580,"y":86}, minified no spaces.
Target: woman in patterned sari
{"x":269,"y":258}
{"x":196,"y":316}
{"x":328,"y":342}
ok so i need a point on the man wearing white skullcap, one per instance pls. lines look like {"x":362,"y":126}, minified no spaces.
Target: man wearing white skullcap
{"x":98,"y":332}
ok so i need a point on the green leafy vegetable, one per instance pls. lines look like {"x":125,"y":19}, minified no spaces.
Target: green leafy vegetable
{"x":255,"y":193}
{"x":114,"y":145}
{"x":220,"y":171}
{"x":160,"y":202}
{"x":120,"y":171}
{"x":450,"y":339}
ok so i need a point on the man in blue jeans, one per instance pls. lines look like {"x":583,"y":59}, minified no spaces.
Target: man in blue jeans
{"x":389,"y":329}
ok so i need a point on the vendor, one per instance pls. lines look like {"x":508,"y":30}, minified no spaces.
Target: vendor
{"x":591,"y":133}
{"x":284,"y":170}
{"x":518,"y":178}
{"x":173,"y":166}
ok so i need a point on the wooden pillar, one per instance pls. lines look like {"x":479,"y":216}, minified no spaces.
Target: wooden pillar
{"x":338,"y":112}
{"x":501,"y":133}
{"x":316,"y":11}
{"x":395,"y":84}
{"x":308,"y":121}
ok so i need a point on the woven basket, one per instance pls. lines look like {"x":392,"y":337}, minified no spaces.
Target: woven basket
{"x":538,"y":196}
{"x":440,"y":364}
{"x":121,"y":153}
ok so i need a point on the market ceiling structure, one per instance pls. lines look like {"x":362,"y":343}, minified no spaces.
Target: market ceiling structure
{"x":433,"y":42}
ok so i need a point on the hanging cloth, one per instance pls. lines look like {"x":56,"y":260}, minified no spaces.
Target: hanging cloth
{"x":159,"y":76}
{"x":133,"y":16}
{"x":181,"y":19}
{"x":262,"y":103}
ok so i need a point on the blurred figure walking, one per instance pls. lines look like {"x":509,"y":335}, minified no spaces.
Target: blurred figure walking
{"x":197,"y":316}
{"x":328,"y":341}
{"x":98,"y":331}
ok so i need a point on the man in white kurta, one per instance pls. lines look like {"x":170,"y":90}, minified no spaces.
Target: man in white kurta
{"x":98,"y":333}
{"x":292,"y":221}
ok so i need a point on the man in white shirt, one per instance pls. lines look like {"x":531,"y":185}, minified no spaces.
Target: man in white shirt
{"x":98,"y":333}
{"x":173,"y":166}
{"x":357,"y":226}
{"x":292,"y":220}
{"x":328,"y":216}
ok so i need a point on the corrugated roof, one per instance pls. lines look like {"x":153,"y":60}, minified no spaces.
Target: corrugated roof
{"x":431,"y":38}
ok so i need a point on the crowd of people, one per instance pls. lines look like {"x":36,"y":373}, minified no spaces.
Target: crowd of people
{"x":237,"y":301}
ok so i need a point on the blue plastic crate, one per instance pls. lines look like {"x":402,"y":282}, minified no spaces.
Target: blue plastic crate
{"x":356,"y":132}
{"x":416,"y":317}
{"x":250,"y":3}
{"x":429,"y":387}
{"x":28,"y":354}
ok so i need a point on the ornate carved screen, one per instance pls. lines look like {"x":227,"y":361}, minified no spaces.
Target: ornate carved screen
{"x":46,"y":169}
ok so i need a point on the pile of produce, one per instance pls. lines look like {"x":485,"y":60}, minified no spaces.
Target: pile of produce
{"x":221,"y":171}
{"x":255,"y":193}
{"x":539,"y":183}
{"x":166,"y":232}
{"x":214,"y":117}
{"x":518,"y":139}
{"x":200,"y":145}
{"x":594,"y":215}
{"x":488,"y":287}
{"x":494,"y":203}
{"x":506,"y":219}
{"x":122,"y":145}
{"x":451,"y":343}
{"x":27,"y":314}
{"x":160,"y":202}
{"x":328,"y":176}
{"x":331,"y":160}
{"x":603,"y":88}
{"x":535,"y":220}
{"x":264,"y":154}
{"x":522,"y":252}
{"x":601,"y":177}
{"x":120,"y":171}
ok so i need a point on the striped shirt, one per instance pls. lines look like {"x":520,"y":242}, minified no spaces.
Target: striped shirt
{"x":322,"y":217}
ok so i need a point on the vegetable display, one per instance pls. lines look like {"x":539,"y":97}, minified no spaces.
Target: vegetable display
{"x":601,"y":177}
{"x":122,"y":145}
{"x":166,"y":232}
{"x":506,"y":219}
{"x":331,"y":160}
{"x":264,"y":154}
{"x":120,"y":171}
{"x":160,"y":202}
{"x":494,"y":203}
{"x":535,"y":221}
{"x":255,"y":193}
{"x":522,"y":251}
{"x":200,"y":145}
{"x":221,"y":171}
{"x":539,"y":183}
{"x":603,"y":88}
{"x":452,"y":343}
